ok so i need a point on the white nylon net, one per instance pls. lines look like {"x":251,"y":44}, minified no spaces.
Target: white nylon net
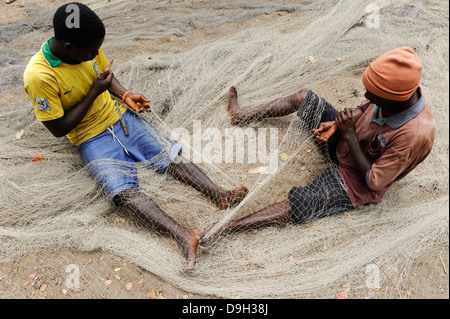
{"x":53,"y":213}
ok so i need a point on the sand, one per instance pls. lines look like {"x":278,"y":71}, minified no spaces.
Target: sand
{"x":37,"y":276}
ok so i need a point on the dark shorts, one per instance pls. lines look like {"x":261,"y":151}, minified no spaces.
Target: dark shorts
{"x":314,"y":111}
{"x":111,"y":157}
{"x":326,"y":194}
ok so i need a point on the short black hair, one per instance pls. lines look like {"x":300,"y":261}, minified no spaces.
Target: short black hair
{"x":81,"y":31}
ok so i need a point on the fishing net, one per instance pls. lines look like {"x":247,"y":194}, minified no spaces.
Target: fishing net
{"x":53,"y":212}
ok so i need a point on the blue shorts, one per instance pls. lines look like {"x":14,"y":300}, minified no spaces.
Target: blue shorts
{"x":111,"y":157}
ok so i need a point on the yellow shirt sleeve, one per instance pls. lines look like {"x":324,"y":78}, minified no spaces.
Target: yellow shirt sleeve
{"x":43,"y":90}
{"x":102,"y":61}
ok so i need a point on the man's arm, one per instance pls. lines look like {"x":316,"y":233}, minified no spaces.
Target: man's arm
{"x":136,"y":102}
{"x":117,"y":89}
{"x":327,"y":129}
{"x":63,"y":125}
{"x":345,"y":122}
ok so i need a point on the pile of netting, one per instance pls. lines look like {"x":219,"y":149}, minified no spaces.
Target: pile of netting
{"x":52,"y":203}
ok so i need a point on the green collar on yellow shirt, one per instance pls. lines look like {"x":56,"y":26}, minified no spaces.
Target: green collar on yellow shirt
{"x":49,"y":56}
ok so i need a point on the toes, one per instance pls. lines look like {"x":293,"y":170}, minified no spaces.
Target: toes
{"x":204,"y":247}
{"x":188,"y":266}
{"x":232,"y":93}
{"x":235,"y":197}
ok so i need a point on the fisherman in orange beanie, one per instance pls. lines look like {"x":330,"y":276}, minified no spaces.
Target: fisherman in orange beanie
{"x":373,"y":146}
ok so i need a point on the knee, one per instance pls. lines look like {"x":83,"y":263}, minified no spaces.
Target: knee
{"x":299,"y":97}
{"x":125,"y":197}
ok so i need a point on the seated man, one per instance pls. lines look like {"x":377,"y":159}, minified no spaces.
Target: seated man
{"x":375,"y":145}
{"x":71,"y":96}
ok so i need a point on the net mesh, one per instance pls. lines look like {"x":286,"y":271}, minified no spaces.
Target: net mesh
{"x":56,"y":221}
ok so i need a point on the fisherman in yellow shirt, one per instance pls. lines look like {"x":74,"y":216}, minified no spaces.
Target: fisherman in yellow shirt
{"x":70,"y":86}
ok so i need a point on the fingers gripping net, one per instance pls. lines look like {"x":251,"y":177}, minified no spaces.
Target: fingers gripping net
{"x":57,"y":205}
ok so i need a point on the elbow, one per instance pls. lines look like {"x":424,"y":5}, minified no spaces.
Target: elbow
{"x":57,"y":133}
{"x":371,"y":186}
{"x":375,"y":188}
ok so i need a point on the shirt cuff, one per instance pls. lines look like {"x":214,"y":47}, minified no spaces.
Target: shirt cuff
{"x":364,"y":105}
{"x":367,"y":177}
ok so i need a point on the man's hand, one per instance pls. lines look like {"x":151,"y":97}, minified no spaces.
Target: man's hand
{"x":102,"y":82}
{"x":62,"y":126}
{"x":346,"y":123}
{"x":325,"y":131}
{"x":137,"y":102}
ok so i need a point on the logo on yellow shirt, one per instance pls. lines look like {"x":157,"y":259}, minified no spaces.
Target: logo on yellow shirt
{"x":42,"y":104}
{"x":95,"y":67}
{"x":69,"y":90}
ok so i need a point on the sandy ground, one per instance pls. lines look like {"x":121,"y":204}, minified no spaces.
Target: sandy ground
{"x":43,"y":276}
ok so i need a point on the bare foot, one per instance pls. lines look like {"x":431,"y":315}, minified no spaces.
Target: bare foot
{"x":233,"y":109}
{"x":233,"y":197}
{"x":188,"y":244}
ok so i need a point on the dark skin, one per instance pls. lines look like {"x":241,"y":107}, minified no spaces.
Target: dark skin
{"x":345,"y":122}
{"x":132,"y":200}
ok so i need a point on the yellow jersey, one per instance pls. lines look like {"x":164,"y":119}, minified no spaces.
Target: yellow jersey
{"x":55,"y":87}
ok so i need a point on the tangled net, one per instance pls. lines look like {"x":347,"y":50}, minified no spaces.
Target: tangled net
{"x":53,"y":204}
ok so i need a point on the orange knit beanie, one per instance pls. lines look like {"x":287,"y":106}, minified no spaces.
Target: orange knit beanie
{"x":395,"y":75}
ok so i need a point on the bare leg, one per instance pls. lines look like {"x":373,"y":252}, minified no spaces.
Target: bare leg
{"x":274,"y":214}
{"x":145,"y":209}
{"x":279,"y":107}
{"x":188,"y":173}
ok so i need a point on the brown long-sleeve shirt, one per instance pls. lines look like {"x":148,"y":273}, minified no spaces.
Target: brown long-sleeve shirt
{"x":394,"y":145}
